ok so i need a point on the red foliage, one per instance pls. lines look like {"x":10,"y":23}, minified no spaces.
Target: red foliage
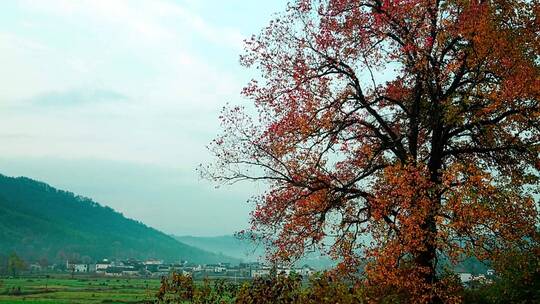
{"x":392,"y":132}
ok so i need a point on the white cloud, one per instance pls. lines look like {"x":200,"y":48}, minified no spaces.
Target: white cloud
{"x":150,"y":51}
{"x":148,"y":19}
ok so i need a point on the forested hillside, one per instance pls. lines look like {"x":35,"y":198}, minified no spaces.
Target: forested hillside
{"x":39,"y":221}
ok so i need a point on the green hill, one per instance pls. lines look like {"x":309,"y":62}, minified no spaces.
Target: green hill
{"x":39,"y":221}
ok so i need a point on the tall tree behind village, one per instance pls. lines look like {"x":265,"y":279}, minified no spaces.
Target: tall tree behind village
{"x":392,"y":132}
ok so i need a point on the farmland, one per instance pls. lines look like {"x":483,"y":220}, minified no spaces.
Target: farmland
{"x":80,"y":290}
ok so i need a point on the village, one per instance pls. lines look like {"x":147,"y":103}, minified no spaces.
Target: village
{"x":153,"y":268}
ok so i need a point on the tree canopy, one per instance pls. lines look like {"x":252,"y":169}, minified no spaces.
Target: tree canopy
{"x":390,"y":132}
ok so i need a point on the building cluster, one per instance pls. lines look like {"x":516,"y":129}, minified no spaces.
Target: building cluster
{"x":157,"y":268}
{"x":468,"y":278}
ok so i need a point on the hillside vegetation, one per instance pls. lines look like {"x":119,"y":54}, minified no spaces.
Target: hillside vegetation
{"x":38,"y":221}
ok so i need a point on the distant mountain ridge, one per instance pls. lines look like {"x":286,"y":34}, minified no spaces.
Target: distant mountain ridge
{"x":226,"y":244}
{"x":246,"y":250}
{"x":39,"y":221}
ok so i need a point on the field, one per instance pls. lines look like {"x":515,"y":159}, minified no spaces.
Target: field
{"x":81,"y":290}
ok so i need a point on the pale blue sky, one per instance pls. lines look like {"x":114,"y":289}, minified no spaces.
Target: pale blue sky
{"x":116,"y":100}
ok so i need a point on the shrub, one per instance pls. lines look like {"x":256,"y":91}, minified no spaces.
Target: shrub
{"x":180,"y":288}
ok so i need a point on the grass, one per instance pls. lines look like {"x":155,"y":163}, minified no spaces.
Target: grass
{"x":79,"y":290}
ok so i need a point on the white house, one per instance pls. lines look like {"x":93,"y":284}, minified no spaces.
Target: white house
{"x":102,"y":266}
{"x":217,"y":268}
{"x":306,"y":271}
{"x":81,"y":267}
{"x":465,"y":277}
{"x":285,"y":271}
{"x":35,"y":267}
{"x":260,"y":272}
{"x":153,"y":262}
{"x":76,"y":267}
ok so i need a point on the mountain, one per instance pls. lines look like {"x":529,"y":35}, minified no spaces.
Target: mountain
{"x":246,"y":250}
{"x":227,"y":245}
{"x":39,"y":221}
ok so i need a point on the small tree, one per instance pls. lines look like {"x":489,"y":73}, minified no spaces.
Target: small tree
{"x":15,"y":264}
{"x":43,"y":263}
{"x":176,"y":289}
{"x":180,"y":288}
{"x":271,"y":290}
{"x":394,"y":131}
{"x":47,"y":277}
{"x":3,"y":264}
{"x":71,"y":268}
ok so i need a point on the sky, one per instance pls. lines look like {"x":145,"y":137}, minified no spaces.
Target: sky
{"x":116,"y":100}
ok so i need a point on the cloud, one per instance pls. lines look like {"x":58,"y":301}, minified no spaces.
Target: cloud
{"x":116,"y":79}
{"x":21,"y":44}
{"x":154,"y":20}
{"x":140,"y":81}
{"x":77,"y":97}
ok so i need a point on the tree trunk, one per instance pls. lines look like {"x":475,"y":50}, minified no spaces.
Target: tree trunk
{"x":427,"y":258}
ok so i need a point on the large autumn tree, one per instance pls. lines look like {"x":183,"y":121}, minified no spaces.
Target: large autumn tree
{"x":391,"y":133}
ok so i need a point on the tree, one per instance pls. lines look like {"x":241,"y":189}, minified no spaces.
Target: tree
{"x":3,"y":264}
{"x":15,"y":264}
{"x":391,"y":132}
{"x":44,"y":263}
{"x":180,"y":288}
{"x":71,"y":268}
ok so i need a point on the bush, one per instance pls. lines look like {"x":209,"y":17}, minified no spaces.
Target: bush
{"x":265,"y":290}
{"x":518,"y":283}
{"x":176,"y":289}
{"x":326,"y":290}
{"x":180,"y":288}
{"x":275,"y":290}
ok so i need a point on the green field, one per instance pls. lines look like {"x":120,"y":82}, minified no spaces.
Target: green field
{"x":77,"y":290}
